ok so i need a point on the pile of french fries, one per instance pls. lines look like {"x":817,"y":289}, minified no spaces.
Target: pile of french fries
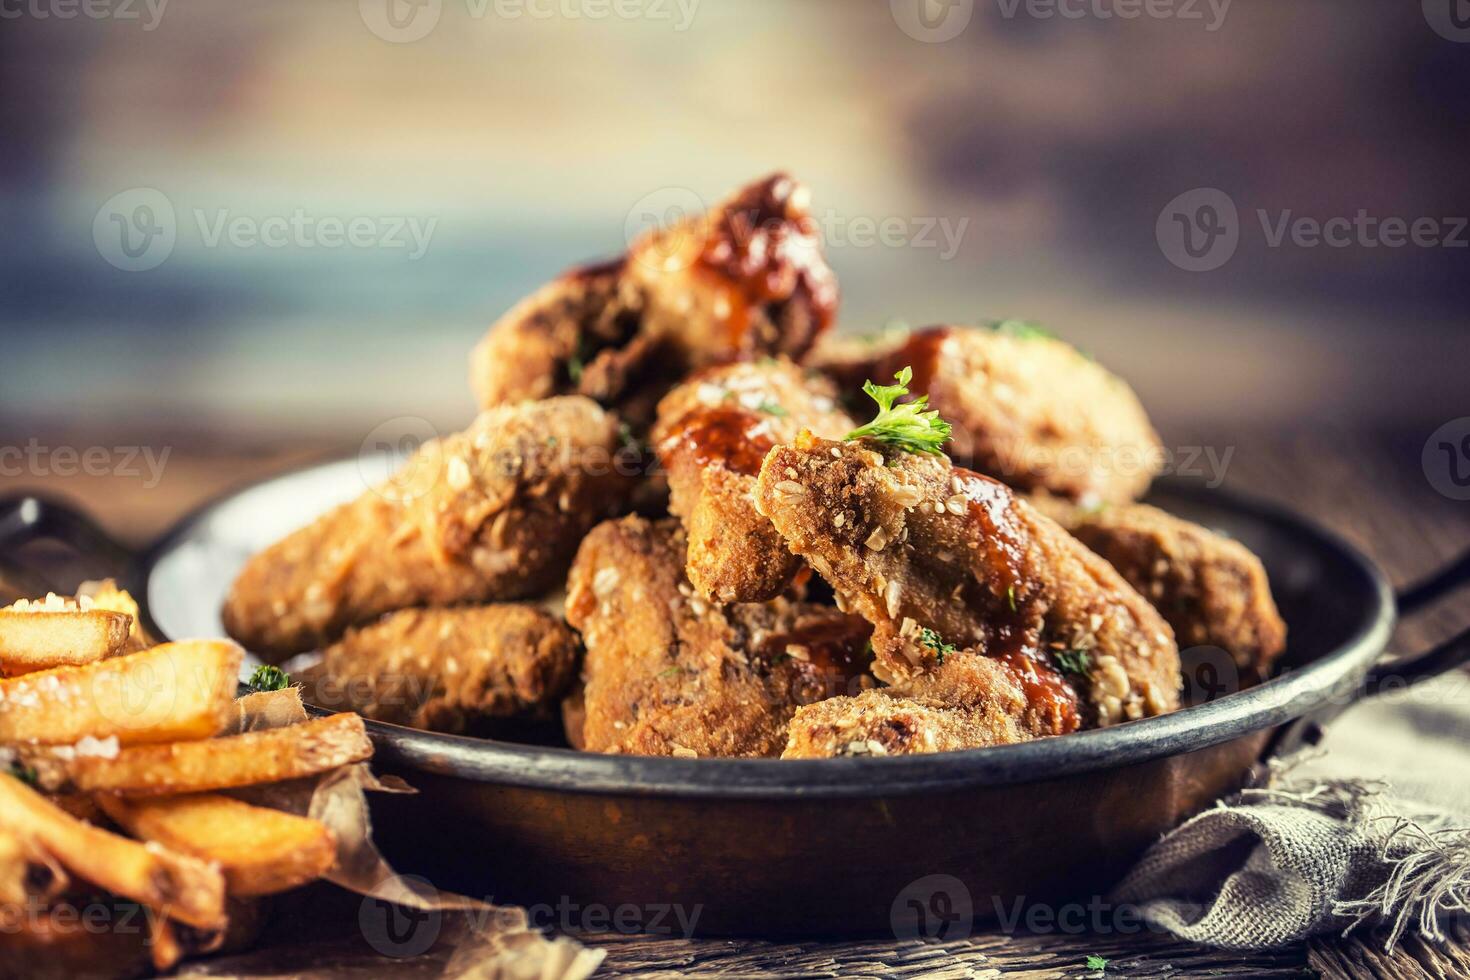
{"x":132,"y":828}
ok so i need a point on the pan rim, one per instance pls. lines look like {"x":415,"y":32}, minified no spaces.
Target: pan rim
{"x":1331,"y":676}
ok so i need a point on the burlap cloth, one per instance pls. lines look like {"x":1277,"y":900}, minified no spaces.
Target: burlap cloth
{"x":1373,"y":827}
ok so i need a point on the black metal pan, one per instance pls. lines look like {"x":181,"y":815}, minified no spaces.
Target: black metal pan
{"x":844,"y":846}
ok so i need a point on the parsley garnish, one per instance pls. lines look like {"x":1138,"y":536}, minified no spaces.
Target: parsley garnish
{"x":935,"y":642}
{"x":267,"y":678}
{"x":1011,"y":597}
{"x":1072,"y":661}
{"x":575,"y":367}
{"x":771,"y":408}
{"x":1022,"y":329}
{"x":1096,"y":963}
{"x":907,"y":426}
{"x":25,"y":773}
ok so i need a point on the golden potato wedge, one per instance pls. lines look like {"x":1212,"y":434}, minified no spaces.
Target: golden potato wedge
{"x":269,"y":756}
{"x":45,"y":634}
{"x":184,"y":888}
{"x":68,"y":943}
{"x":260,"y":851}
{"x":169,"y":693}
{"x":105,"y":594}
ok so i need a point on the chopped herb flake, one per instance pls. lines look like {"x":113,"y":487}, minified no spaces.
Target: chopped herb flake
{"x":1072,"y":661}
{"x":771,"y":408}
{"x":25,"y":773}
{"x":935,"y":642}
{"x":1097,"y":963}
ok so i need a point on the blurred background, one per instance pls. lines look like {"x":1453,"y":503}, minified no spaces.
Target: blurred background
{"x":269,"y":227}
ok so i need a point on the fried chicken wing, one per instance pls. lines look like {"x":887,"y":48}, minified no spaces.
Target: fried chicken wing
{"x":966,"y":702}
{"x":744,"y":280}
{"x":450,"y":670}
{"x":667,"y":673}
{"x":1213,"y":591}
{"x":712,"y":433}
{"x":947,"y":564}
{"x":1026,"y":408}
{"x":492,"y":513}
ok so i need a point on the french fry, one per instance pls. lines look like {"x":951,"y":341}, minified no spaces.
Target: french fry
{"x":105,"y":594}
{"x":260,"y":851}
{"x":25,"y":874}
{"x":181,"y":887}
{"x":169,"y":693}
{"x":268,"y":756}
{"x":58,"y":632}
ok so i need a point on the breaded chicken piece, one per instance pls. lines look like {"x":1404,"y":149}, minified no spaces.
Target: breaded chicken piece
{"x":667,"y":673}
{"x":1026,"y":408}
{"x":745,"y":280}
{"x":1213,"y":591}
{"x":968,"y":701}
{"x":450,"y":670}
{"x":492,"y":513}
{"x":712,"y":433}
{"x":941,"y":559}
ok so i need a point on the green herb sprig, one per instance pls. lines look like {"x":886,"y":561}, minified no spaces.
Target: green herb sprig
{"x":1072,"y":661}
{"x":907,"y":426}
{"x":268,"y":678}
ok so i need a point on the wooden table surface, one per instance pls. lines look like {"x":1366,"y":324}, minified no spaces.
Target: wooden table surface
{"x":1369,"y":487}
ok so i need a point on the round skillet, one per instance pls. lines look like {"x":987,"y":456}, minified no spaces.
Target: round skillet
{"x":843,"y":846}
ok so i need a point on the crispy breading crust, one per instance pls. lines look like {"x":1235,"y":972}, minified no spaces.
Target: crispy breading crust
{"x":969,"y":701}
{"x":712,"y":433}
{"x":492,"y":513}
{"x":667,"y":673}
{"x":744,"y":280}
{"x":1029,"y":410}
{"x":913,"y":543}
{"x":447,"y":670}
{"x":1213,"y":591}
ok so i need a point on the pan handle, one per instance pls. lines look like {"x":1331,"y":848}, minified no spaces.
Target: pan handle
{"x":26,"y":518}
{"x":1452,"y":653}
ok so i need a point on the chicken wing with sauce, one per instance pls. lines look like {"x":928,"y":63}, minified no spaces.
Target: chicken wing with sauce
{"x":744,"y":280}
{"x":712,"y":433}
{"x":1213,"y":591}
{"x":492,"y":513}
{"x":1026,"y":408}
{"x":948,"y":564}
{"x":667,"y":673}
